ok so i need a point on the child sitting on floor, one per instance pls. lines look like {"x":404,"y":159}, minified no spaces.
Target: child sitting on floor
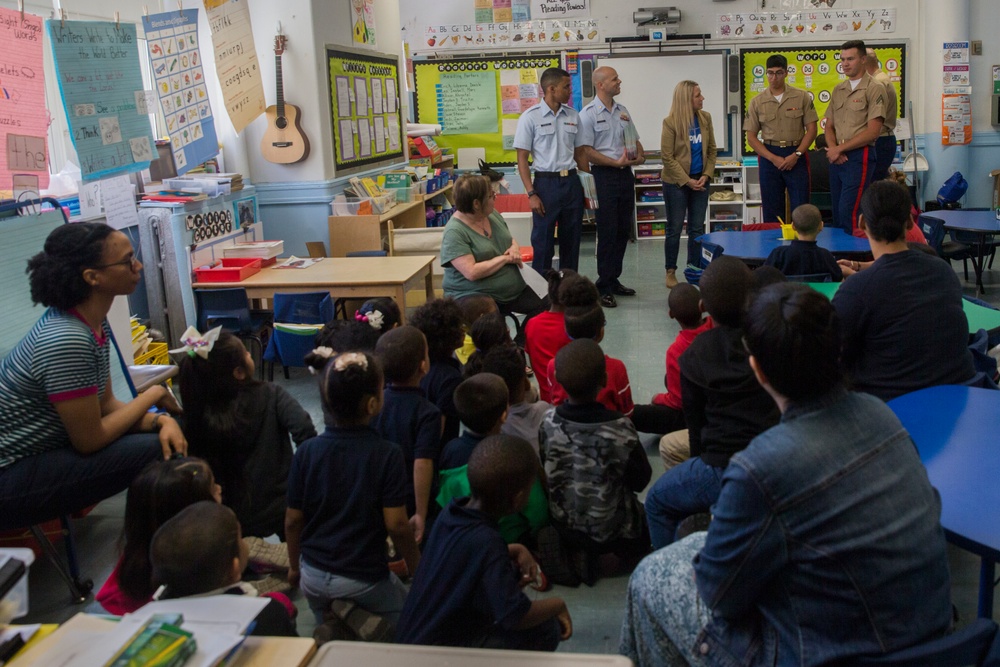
{"x":482,"y":404}
{"x":490,"y":331}
{"x":346,"y":491}
{"x":804,"y":257}
{"x":594,"y":463}
{"x":409,"y":419}
{"x":587,"y":322}
{"x":381,"y":314}
{"x":159,"y":492}
{"x":200,"y":552}
{"x":473,"y":307}
{"x":666,"y":413}
{"x":523,"y":416}
{"x":242,"y":427}
{"x":546,"y":332}
{"x":441,"y":323}
{"x":467,"y":591}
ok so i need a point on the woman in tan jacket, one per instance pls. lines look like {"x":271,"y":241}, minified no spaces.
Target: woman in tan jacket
{"x":687,"y":147}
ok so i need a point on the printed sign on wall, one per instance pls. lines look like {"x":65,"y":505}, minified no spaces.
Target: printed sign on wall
{"x":236,"y":60}
{"x":23,"y":118}
{"x":97,"y":65}
{"x":175,"y":56}
{"x":836,"y":24}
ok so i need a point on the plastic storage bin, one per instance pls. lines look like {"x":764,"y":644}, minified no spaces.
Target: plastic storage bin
{"x":231,"y":270}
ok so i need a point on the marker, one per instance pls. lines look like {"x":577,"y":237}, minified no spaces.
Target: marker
{"x":780,"y":220}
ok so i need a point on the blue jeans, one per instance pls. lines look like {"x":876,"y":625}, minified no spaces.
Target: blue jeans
{"x":46,"y":486}
{"x":685,"y":489}
{"x":562,"y":197}
{"x":681,"y":202}
{"x":384,"y":598}
{"x":773,"y":182}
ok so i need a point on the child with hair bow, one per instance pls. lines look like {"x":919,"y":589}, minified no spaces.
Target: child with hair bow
{"x":242,"y":427}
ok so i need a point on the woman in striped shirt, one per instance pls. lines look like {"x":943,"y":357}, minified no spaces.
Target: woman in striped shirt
{"x":66,"y":442}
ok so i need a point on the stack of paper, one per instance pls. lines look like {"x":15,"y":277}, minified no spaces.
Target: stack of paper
{"x":262,"y":249}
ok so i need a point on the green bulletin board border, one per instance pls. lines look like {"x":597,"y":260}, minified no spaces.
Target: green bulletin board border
{"x":798,"y":56}
{"x":427,"y":75}
{"x":368,"y":60}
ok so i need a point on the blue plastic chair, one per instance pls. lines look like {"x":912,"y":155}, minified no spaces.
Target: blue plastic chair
{"x":975,"y":644}
{"x":934,"y":232}
{"x":230,"y":308}
{"x":289,"y":347}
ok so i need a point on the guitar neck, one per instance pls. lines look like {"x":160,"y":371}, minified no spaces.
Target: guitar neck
{"x":280,"y":85}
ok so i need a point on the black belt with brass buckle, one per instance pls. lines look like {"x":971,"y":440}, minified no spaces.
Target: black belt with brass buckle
{"x":554,"y":174}
{"x":783,"y":144}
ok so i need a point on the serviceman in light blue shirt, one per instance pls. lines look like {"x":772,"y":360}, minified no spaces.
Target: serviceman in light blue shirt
{"x":611,"y":146}
{"x":550,"y":133}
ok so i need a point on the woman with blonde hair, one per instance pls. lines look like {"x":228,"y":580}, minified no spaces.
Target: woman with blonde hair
{"x":687,"y":147}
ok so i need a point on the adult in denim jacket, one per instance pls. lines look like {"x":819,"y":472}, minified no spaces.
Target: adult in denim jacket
{"x":825,"y":543}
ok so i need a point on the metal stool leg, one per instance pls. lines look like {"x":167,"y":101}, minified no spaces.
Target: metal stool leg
{"x":79,"y":590}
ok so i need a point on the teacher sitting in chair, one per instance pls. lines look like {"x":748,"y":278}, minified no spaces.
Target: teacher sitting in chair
{"x":479,"y":255}
{"x":66,"y":442}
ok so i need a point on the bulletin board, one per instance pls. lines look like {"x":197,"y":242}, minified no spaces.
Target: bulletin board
{"x":478,"y":101}
{"x":816,"y":70}
{"x":365,"y":109}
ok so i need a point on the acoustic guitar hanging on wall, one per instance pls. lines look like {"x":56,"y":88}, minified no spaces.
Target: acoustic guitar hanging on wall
{"x":283,"y":142}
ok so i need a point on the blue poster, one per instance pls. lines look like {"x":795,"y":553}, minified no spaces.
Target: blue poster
{"x":97,"y":65}
{"x":172,"y":40}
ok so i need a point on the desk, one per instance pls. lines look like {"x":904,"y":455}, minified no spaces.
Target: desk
{"x":983,"y":224}
{"x":978,"y":316}
{"x":754,"y":247}
{"x":343,"y":277}
{"x":955,"y":431}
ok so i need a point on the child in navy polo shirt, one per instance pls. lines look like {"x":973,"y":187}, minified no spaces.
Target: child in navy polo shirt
{"x":442,"y":323}
{"x":467,"y":591}
{"x":481,"y":402}
{"x":346,"y":492}
{"x":804,"y":257}
{"x":409,"y":419}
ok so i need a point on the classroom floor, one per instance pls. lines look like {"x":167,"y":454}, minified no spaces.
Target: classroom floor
{"x":638,"y":332}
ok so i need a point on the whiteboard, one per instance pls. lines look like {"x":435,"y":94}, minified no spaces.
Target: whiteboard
{"x":648,"y":88}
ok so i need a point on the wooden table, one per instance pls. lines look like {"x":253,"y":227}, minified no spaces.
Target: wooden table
{"x":343,"y":277}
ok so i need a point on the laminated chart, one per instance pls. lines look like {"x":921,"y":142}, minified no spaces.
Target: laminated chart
{"x":97,"y":65}
{"x":23,"y":118}
{"x":176,"y":60}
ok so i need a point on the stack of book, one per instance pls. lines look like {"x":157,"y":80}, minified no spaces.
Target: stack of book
{"x":265,"y":250}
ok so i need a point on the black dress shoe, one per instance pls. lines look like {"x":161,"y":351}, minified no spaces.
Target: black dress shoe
{"x":608,"y":301}
{"x":621,"y":290}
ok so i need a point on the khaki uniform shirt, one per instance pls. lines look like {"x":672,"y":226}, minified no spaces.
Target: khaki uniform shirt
{"x":891,"y":104}
{"x":852,"y":109}
{"x":780,"y":123}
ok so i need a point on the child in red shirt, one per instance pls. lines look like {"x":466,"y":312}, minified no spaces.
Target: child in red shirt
{"x":546,"y":332}
{"x":588,"y":322}
{"x":666,"y":414}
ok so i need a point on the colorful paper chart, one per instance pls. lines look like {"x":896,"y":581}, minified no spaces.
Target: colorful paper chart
{"x":175,"y":56}
{"x":23,"y":119}
{"x":100,"y":80}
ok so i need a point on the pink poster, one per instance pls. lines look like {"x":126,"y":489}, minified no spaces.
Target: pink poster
{"x":24,"y":121}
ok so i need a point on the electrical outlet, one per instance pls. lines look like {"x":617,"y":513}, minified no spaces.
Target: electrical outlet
{"x":977,"y":47}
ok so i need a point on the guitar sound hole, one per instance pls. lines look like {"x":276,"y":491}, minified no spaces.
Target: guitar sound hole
{"x":281,"y":122}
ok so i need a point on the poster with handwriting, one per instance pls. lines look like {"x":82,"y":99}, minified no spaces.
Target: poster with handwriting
{"x":97,"y":65}
{"x":236,"y":60}
{"x":23,"y":119}
{"x":467,"y":102}
{"x":175,"y":57}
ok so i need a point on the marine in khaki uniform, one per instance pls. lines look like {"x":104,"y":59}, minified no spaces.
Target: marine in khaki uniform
{"x":885,"y":145}
{"x":785,"y":119}
{"x":854,"y":121}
